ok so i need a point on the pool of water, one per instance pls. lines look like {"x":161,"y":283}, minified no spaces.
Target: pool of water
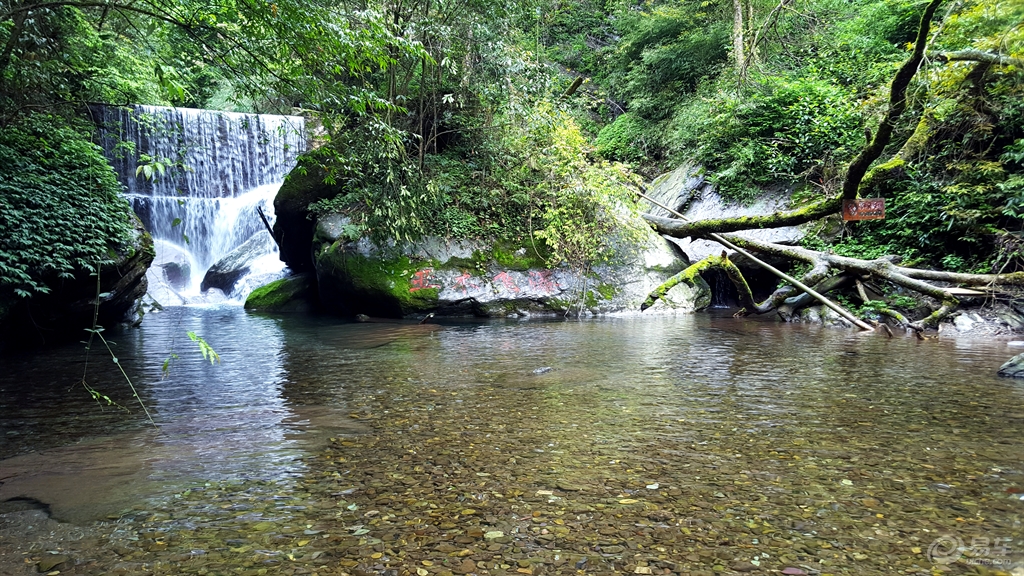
{"x":693,"y":444}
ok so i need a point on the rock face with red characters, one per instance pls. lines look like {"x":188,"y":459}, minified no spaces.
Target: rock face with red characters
{"x":460,"y":278}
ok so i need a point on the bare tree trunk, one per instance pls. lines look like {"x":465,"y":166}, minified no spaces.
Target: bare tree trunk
{"x":12,"y":40}
{"x":738,"y":42}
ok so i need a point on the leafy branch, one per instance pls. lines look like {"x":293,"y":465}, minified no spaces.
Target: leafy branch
{"x":97,"y":332}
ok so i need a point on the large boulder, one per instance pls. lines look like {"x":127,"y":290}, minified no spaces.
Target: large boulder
{"x":687,"y":191}
{"x":227,"y":271}
{"x":290,"y":294}
{"x":293,"y":227}
{"x":68,"y":308}
{"x":486,"y":279}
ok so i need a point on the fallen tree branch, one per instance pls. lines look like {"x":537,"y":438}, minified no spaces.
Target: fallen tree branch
{"x":786,"y":300}
{"x":882,"y":268}
{"x":788,"y":308}
{"x":887,"y":268}
{"x":975,"y":56}
{"x":689,"y":276}
{"x":683,"y":228}
{"x":726,"y":242}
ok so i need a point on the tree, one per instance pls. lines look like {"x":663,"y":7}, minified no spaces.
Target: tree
{"x":276,"y":54}
{"x":858,"y":175}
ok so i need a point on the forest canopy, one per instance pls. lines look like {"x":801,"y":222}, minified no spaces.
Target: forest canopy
{"x":520,"y":121}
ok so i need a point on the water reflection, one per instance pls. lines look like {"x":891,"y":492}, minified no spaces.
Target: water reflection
{"x":217,"y":418}
{"x":214,"y":421}
{"x":791,"y":441}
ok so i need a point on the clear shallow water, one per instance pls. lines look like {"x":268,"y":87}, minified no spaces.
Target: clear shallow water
{"x":689,"y":444}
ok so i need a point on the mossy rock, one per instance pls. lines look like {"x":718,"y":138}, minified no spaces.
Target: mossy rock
{"x":481,"y":277}
{"x":304,"y":185}
{"x":293,"y":229}
{"x":352,"y":283}
{"x":285,"y":295}
{"x":520,"y":258}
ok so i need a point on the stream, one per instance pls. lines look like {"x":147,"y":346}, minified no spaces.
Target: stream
{"x":692,"y":444}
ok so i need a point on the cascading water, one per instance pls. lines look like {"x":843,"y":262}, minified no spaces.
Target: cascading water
{"x":219,"y":167}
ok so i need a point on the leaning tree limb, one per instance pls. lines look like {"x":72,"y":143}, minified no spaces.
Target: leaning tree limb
{"x":976,"y":56}
{"x":725,"y":242}
{"x":690,"y":275}
{"x":823,"y":263}
{"x":897,"y":104}
{"x":855,"y":172}
{"x":684,"y":228}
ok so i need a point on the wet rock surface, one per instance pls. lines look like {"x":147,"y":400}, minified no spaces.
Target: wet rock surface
{"x":1013,"y":368}
{"x":227,"y":271}
{"x":984,"y":319}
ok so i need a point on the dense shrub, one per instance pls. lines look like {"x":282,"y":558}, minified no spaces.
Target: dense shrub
{"x":61,"y":207}
{"x":623,"y":140}
{"x":664,"y":54}
{"x":785,"y":131}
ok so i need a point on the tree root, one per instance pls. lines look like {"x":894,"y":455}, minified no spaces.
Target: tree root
{"x":690,"y":274}
{"x":787,"y":300}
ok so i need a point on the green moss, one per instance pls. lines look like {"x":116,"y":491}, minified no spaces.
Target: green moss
{"x":506,"y":255}
{"x":607,"y":291}
{"x":389,"y":280}
{"x":478,"y":261}
{"x":277,"y":295}
{"x":880,"y":178}
{"x":690,"y":276}
{"x":518,"y":258}
{"x":305,"y":184}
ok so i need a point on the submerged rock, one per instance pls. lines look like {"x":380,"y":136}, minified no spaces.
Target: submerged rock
{"x":485,"y":279}
{"x":48,"y":563}
{"x":823,"y":315}
{"x":1013,"y":368}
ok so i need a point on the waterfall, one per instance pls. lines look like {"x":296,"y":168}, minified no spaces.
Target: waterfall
{"x":218,"y":168}
{"x":720,"y":289}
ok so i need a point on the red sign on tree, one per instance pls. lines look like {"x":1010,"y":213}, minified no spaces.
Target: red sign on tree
{"x":864,"y":209}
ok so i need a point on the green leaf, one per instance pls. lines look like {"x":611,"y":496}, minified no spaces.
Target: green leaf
{"x":205,"y":349}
